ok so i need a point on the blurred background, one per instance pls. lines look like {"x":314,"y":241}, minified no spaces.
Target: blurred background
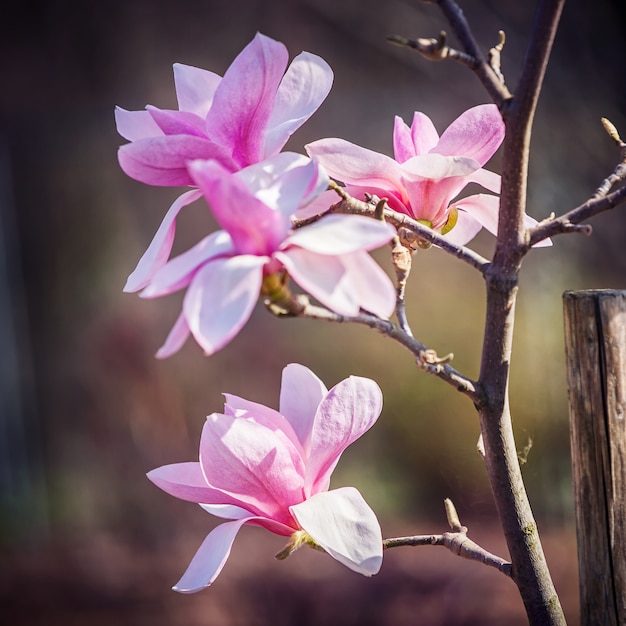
{"x":86,"y":410}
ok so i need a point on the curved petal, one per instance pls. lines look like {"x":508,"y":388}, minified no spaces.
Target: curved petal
{"x":403,"y":147}
{"x":160,"y":247}
{"x":423,"y":132}
{"x":244,"y":409}
{"x":349,"y":409}
{"x":301,"y":392}
{"x":341,"y":234}
{"x":477,"y":133}
{"x":324,"y":277}
{"x":186,"y":481}
{"x":303,"y":88}
{"x":354,"y":165}
{"x":225,"y":511}
{"x":179,"y":271}
{"x":162,"y":161}
{"x":195,"y":88}
{"x":483,"y":208}
{"x":257,"y":465}
{"x":244,"y":99}
{"x":133,"y":125}
{"x":285,"y":182}
{"x":220,"y":299}
{"x":176,"y":338}
{"x":177,"y":122}
{"x":254,"y":227}
{"x":489,"y":180}
{"x":342,"y":523}
{"x":437,"y":167}
{"x":373,"y":288}
{"x":210,"y":558}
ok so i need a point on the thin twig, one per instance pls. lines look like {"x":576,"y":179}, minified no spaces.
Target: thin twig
{"x":411,"y":232}
{"x":456,"y":541}
{"x":488,"y":76}
{"x":425,"y":358}
{"x":571,"y":221}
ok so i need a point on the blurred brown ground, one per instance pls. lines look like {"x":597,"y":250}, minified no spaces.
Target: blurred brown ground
{"x":85,"y":410}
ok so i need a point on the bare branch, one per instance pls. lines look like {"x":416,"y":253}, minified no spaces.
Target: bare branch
{"x":571,"y":221}
{"x":435,"y":49}
{"x":411,"y":232}
{"x":425,"y":358}
{"x":488,"y":76}
{"x":456,"y":541}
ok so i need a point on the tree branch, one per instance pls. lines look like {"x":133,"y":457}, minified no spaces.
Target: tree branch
{"x":425,"y":358}
{"x":456,"y":541}
{"x":411,"y":232}
{"x":602,"y":200}
{"x":488,"y":72}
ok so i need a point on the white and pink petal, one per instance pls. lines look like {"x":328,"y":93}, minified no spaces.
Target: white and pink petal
{"x":341,"y":522}
{"x":155,"y":257}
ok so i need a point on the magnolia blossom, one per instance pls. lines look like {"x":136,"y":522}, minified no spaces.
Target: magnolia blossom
{"x":240,"y":119}
{"x":224,"y":272}
{"x":272,"y":469}
{"x":428,"y":171}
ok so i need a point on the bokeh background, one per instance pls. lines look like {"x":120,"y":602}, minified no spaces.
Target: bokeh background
{"x":85,"y":409}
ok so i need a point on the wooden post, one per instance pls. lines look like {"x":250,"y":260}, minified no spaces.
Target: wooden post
{"x":595,"y":344}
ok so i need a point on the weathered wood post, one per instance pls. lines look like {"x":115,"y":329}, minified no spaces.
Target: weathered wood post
{"x":595,"y":343}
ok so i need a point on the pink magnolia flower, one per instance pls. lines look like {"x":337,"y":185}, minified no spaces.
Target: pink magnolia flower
{"x":225,"y":271}
{"x":272,"y":469}
{"x":428,"y":171}
{"x":243,"y":118}
{"x":238,"y":120}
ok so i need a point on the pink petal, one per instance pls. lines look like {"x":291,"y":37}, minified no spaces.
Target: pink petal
{"x":179,"y":271}
{"x":424,"y":134}
{"x":483,"y":208}
{"x":225,"y":511}
{"x":195,"y":88}
{"x":244,"y":99}
{"x":285,"y":182}
{"x":177,"y":122}
{"x":175,"y":340}
{"x":317,"y":206}
{"x":324,"y":277}
{"x":258,"y":466}
{"x":341,"y":234}
{"x":301,"y":391}
{"x":437,"y":167}
{"x":349,"y":409}
{"x":220,"y":299}
{"x":254,"y":227}
{"x":133,"y":125}
{"x":354,"y":165}
{"x":373,"y":288}
{"x":244,"y":409}
{"x":162,"y":161}
{"x":159,"y":249}
{"x":342,"y":523}
{"x":489,"y":180}
{"x":186,"y":481}
{"x":403,"y":147}
{"x":210,"y":558}
{"x":477,"y":133}
{"x":303,"y":88}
